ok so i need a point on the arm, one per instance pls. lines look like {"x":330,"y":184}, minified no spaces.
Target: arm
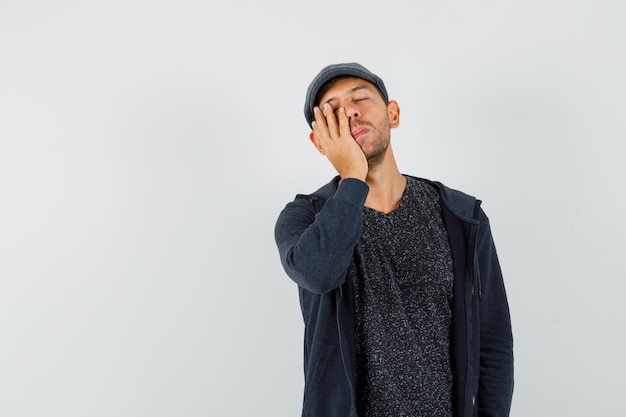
{"x":316,"y":249}
{"x":496,"y":340}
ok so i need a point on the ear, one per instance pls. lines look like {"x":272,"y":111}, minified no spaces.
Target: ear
{"x":316,"y":143}
{"x":394,"y":113}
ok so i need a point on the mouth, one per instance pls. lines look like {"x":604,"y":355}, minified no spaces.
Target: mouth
{"x":358,"y":132}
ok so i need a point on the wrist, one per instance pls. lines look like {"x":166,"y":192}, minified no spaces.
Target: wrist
{"x":359,"y":175}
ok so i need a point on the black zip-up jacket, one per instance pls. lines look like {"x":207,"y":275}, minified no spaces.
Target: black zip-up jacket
{"x":316,"y":235}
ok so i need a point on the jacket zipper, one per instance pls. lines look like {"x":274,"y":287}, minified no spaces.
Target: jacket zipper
{"x":342,"y":348}
{"x":469,"y":292}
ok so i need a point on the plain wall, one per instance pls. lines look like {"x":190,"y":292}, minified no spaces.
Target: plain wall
{"x":147,"y":147}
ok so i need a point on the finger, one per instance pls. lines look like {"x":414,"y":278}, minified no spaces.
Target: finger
{"x":344,"y":123}
{"x":320,"y":128}
{"x":320,"y":119}
{"x":320,"y":131}
{"x":331,"y":121}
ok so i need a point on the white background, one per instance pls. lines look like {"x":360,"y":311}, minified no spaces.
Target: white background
{"x":147,"y":147}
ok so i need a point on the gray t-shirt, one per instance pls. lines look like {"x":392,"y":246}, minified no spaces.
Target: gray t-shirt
{"x":403,"y":277}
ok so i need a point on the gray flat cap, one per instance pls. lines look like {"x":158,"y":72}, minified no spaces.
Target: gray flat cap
{"x":338,"y":70}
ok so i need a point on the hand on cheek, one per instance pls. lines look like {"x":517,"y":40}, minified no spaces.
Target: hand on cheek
{"x":331,"y":135}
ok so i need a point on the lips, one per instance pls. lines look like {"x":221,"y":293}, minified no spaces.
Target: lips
{"x":358,"y":132}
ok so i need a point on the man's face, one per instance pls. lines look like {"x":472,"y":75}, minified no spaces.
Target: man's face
{"x":367,"y":112}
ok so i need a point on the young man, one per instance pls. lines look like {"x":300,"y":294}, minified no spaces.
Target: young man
{"x":400,"y":287}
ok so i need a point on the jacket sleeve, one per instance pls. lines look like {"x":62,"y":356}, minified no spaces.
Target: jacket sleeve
{"x":496,"y":340}
{"x":316,"y":247}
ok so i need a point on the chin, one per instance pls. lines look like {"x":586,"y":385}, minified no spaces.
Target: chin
{"x":376,"y":155}
{"x":375,"y":160}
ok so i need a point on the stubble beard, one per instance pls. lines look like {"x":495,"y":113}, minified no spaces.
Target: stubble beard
{"x":376,"y":155}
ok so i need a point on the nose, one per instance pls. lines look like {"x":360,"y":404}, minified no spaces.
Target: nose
{"x":351,"y":110}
